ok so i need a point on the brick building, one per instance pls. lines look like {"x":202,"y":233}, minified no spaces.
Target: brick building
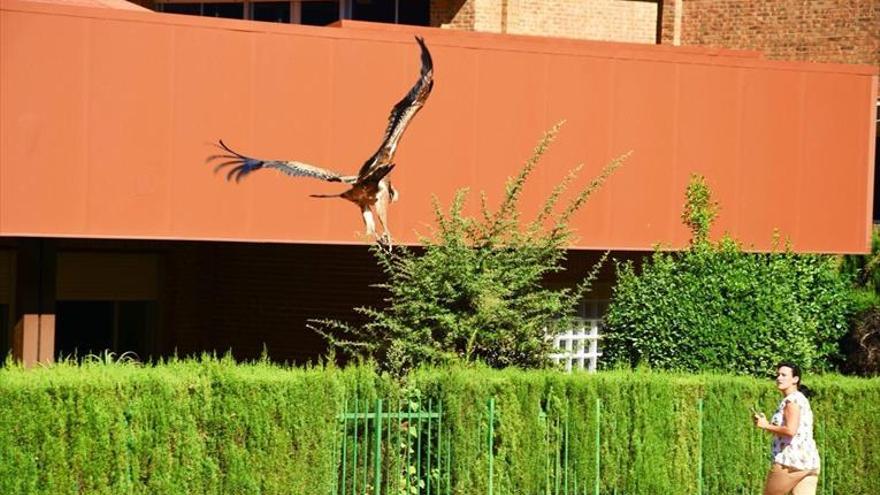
{"x":842,"y":31}
{"x":114,"y":236}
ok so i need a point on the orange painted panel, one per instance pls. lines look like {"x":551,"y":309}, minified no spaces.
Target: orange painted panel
{"x":705,"y":148}
{"x":830,"y":167}
{"x":107,"y":118}
{"x":43,"y":105}
{"x":124,"y":125}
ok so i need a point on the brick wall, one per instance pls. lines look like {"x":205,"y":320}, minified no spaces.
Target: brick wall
{"x":846,"y":31}
{"x":454,"y":14}
{"x":219,"y":296}
{"x":608,"y":20}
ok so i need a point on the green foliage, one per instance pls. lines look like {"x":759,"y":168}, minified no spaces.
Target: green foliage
{"x":474,"y":291}
{"x":183,"y":427}
{"x":715,"y":307}
{"x":211,"y":426}
{"x":861,"y":346}
{"x":699,"y":210}
{"x":865,"y":273}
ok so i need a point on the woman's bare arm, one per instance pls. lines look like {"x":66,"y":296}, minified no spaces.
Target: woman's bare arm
{"x":791,"y":420}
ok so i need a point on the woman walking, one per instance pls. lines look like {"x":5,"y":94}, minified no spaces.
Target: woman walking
{"x":794,"y":457}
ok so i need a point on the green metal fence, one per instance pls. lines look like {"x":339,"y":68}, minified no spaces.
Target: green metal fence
{"x":397,"y":450}
{"x":406,"y":449}
{"x":564,"y":473}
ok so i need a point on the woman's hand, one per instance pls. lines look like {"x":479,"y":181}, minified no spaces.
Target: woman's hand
{"x":760,"y":421}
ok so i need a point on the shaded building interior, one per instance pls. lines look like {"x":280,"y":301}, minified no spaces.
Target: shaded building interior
{"x":160,"y":298}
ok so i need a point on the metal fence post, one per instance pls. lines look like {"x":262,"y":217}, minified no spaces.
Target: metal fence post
{"x":344,"y":443}
{"x":354,"y":461}
{"x":366,"y":473}
{"x":491,"y":442}
{"x":565,"y":439}
{"x":598,"y":443}
{"x":419,"y":444}
{"x":700,"y":459}
{"x":377,"y":452}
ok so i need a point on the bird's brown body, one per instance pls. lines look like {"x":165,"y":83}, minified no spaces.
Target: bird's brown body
{"x":370,"y":189}
{"x":373,"y":197}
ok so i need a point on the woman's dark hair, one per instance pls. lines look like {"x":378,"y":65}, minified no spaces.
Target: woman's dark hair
{"x":796,"y":371}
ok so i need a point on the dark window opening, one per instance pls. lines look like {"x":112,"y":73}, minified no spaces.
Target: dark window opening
{"x":227,"y":10}
{"x":181,"y":8}
{"x":271,"y":11}
{"x":312,"y":12}
{"x":373,"y":10}
{"x":5,"y":337}
{"x":95,"y":327}
{"x":414,"y":12}
{"x":319,"y":13}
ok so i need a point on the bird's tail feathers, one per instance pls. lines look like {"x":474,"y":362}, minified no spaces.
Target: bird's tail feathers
{"x":241,"y":164}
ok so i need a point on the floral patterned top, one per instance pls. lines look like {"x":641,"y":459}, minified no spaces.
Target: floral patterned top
{"x":799,"y":451}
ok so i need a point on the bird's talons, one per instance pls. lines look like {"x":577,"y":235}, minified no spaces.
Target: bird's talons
{"x":385,"y":241}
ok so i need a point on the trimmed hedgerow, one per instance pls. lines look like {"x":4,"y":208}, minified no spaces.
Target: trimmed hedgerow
{"x":655,"y":430}
{"x":215,"y":427}
{"x":183,"y":427}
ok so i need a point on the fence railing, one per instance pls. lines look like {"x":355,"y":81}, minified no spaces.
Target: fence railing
{"x":408,"y":450}
{"x":396,"y":450}
{"x":578,"y":348}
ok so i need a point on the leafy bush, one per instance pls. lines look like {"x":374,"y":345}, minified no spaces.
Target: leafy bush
{"x":865,"y":271}
{"x":474,"y":291}
{"x":715,"y":307}
{"x":861,"y":347}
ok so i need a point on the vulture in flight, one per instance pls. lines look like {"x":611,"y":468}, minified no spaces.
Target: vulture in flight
{"x":370,"y":189}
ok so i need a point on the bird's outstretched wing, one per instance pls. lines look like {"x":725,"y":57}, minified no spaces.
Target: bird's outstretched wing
{"x":402,"y":114}
{"x":242,"y":165}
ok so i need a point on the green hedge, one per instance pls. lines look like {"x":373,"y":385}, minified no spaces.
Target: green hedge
{"x":216,"y":427}
{"x":717,"y":308}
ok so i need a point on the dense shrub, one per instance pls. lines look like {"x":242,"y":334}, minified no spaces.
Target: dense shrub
{"x":715,"y":307}
{"x":215,"y":427}
{"x":861,"y":346}
{"x":474,"y":291}
{"x":865,"y":269}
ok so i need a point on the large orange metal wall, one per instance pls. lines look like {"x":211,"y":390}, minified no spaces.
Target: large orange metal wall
{"x":106,"y":116}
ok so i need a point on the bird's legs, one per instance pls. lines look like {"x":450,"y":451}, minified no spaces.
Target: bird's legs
{"x":369,"y":223}
{"x":373,"y":202}
{"x":383,"y":197}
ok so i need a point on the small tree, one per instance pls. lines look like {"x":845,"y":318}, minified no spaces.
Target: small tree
{"x":715,"y":307}
{"x":473,"y":291}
